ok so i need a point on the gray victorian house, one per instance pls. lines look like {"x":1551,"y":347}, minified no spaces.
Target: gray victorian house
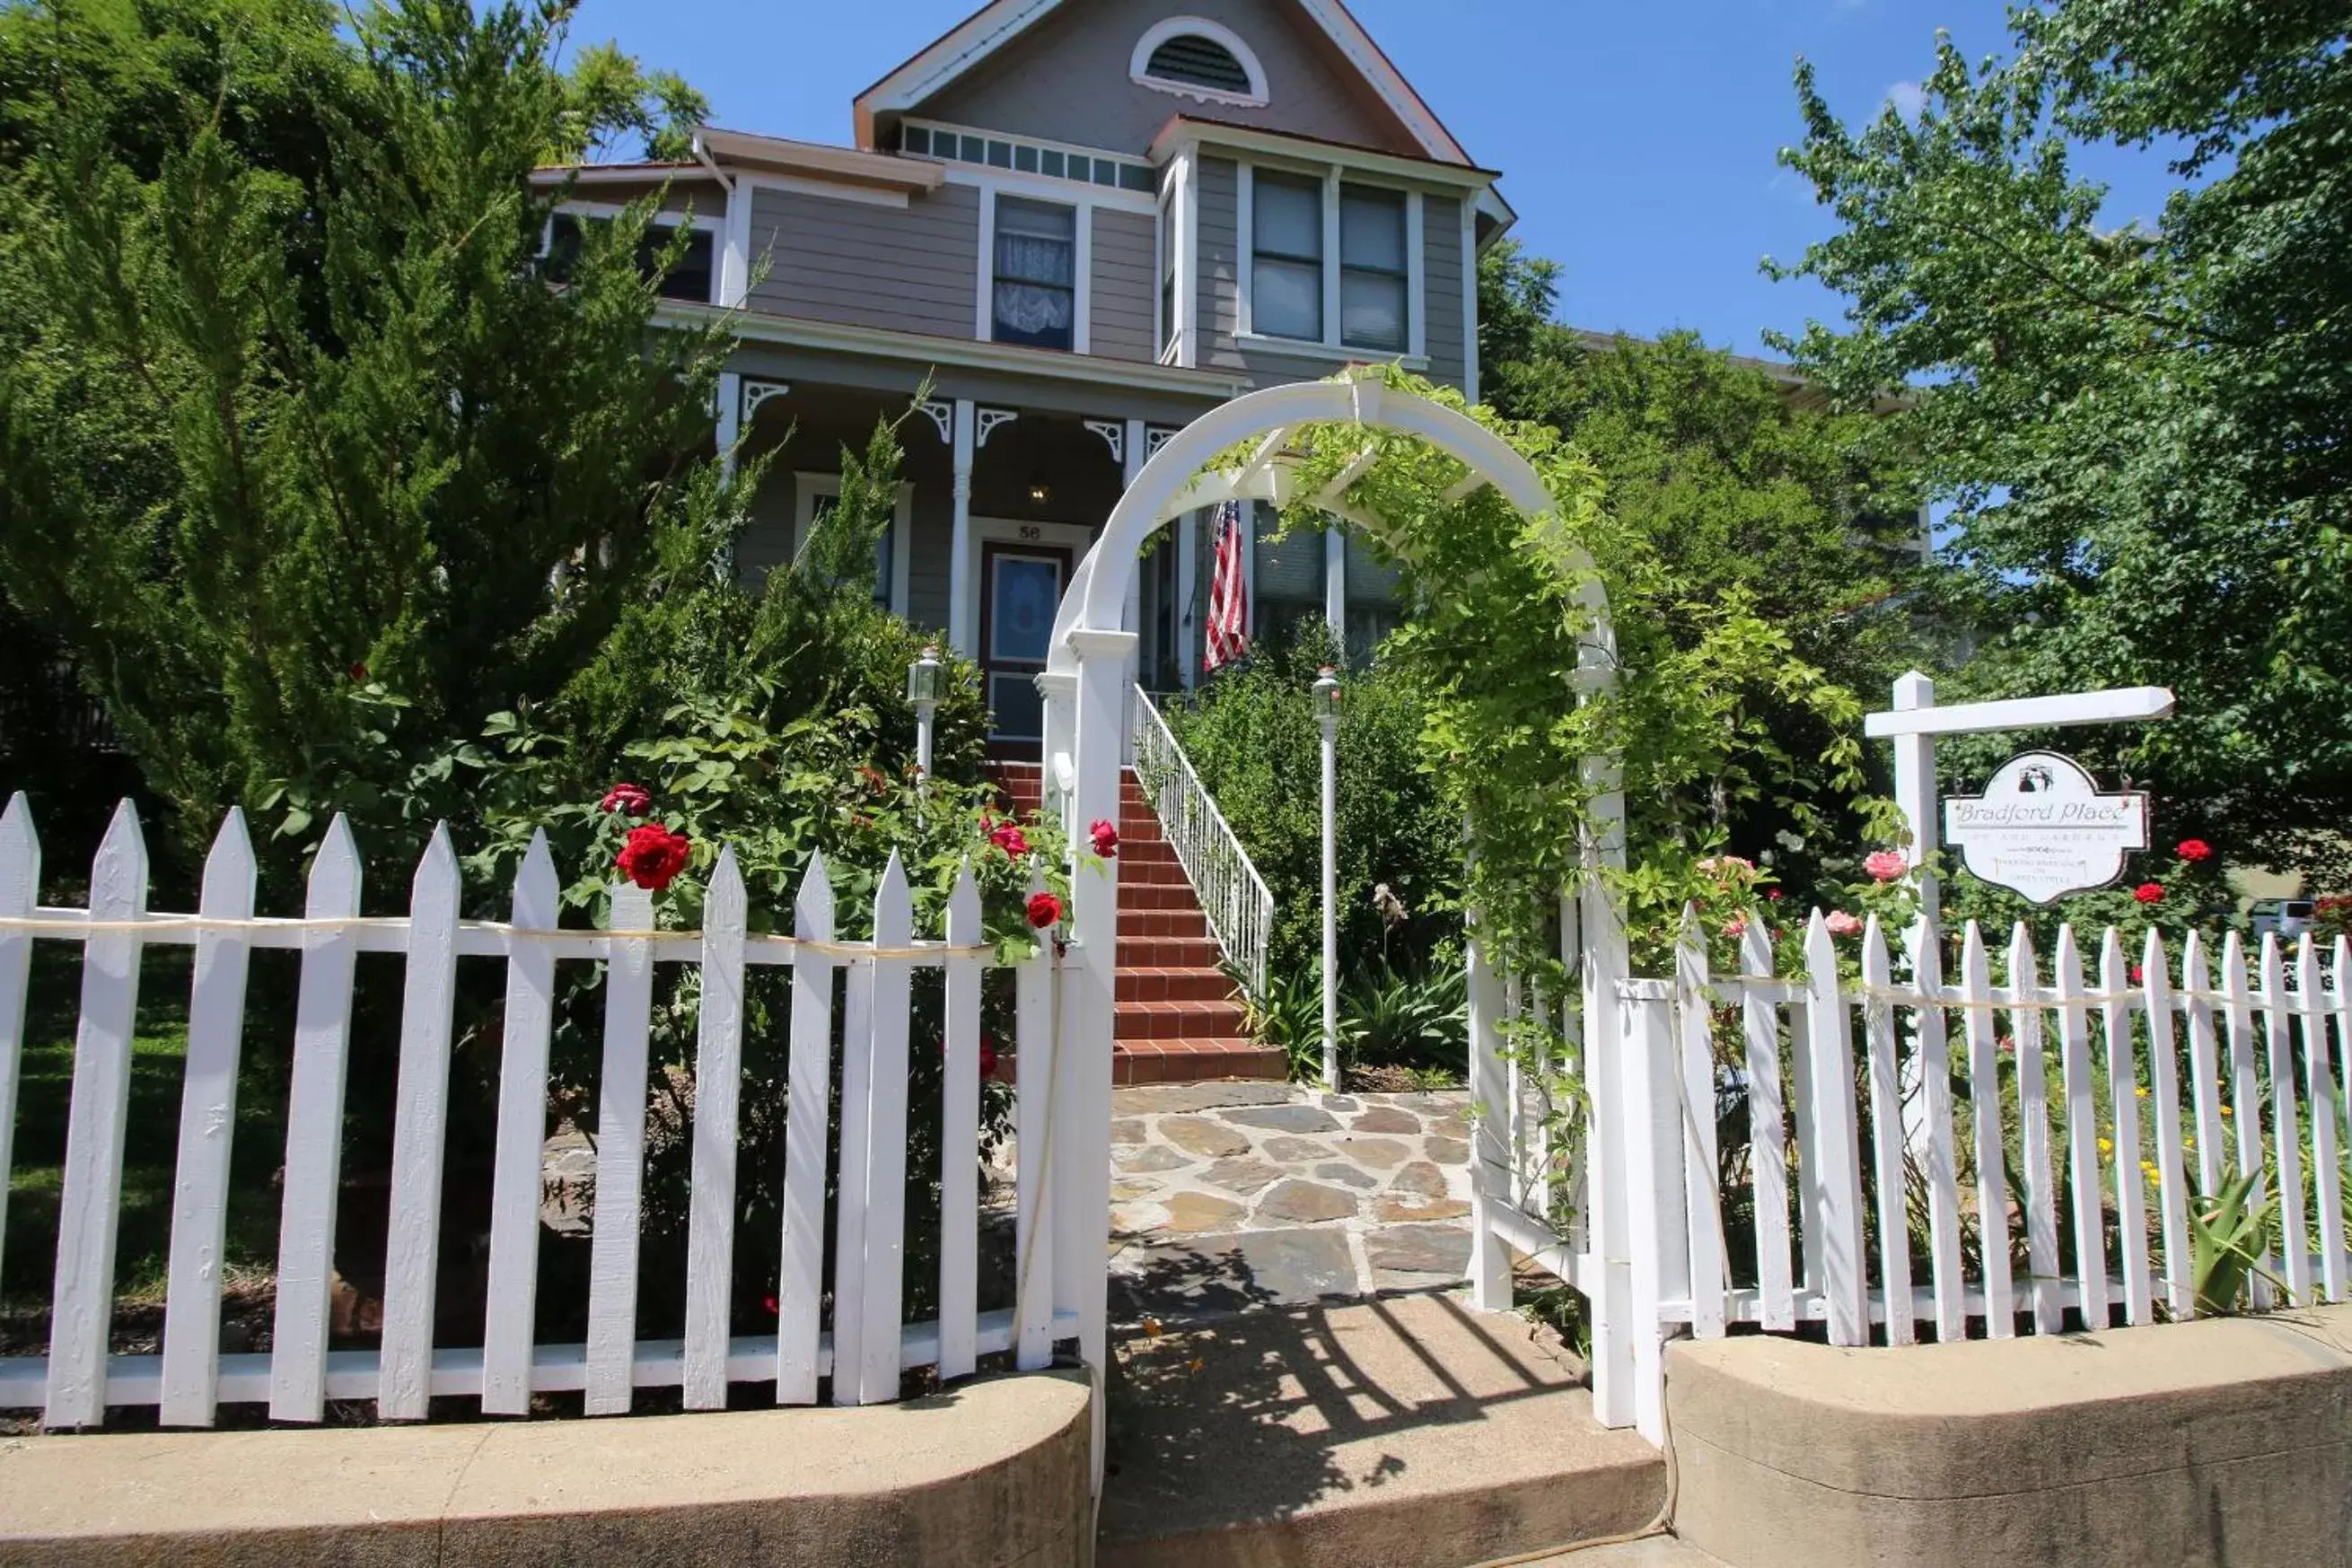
{"x":1082,"y":224}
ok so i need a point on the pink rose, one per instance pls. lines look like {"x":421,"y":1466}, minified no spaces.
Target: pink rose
{"x":1841,"y":924}
{"x":1886,"y":866}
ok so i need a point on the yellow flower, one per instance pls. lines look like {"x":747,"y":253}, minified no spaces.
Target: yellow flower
{"x":2141,"y":1091}
{"x":2227,"y":1112}
{"x":2107,"y":1146}
{"x":2149,"y":1167}
{"x":2187,"y":1142}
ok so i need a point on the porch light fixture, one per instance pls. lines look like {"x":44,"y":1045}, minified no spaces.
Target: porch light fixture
{"x":923,"y":682}
{"x":1040,"y":492}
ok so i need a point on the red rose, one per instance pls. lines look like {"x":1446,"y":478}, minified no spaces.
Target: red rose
{"x":1008,"y":837}
{"x":654,"y":856}
{"x":987,"y":1057}
{"x":2149,"y":892}
{"x":2195,"y":850}
{"x":358,"y":672}
{"x":1773,"y":893}
{"x":629,"y":800}
{"x":770,"y":1304}
{"x":1044,"y":911}
{"x":1106,"y":837}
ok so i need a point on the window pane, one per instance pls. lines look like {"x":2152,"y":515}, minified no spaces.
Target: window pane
{"x":1025,"y":160}
{"x":1288,"y":217}
{"x":1372,"y":311}
{"x":1000,"y":155}
{"x":1372,"y":228}
{"x":1135,"y":177}
{"x":1054,"y":162}
{"x":1287,"y":300}
{"x":917,"y":139}
{"x":690,"y":279}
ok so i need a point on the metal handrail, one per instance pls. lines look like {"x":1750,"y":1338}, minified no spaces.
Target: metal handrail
{"x":1235,"y":897}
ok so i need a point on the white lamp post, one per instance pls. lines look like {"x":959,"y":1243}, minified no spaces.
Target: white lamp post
{"x":923,"y":691}
{"x":1326,"y":715}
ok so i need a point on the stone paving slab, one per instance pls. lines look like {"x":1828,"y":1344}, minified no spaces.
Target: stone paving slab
{"x":1228,"y":1196}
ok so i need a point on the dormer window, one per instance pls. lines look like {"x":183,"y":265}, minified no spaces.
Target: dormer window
{"x":1191,"y":57}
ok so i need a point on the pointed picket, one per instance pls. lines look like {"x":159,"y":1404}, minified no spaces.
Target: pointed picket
{"x":1768,"y":1132}
{"x":1812,"y":1277}
{"x":2123,"y":1094}
{"x":1702,"y":1185}
{"x":191,"y":1369}
{"x":2342,"y":1004}
{"x":2025,"y":1027}
{"x":800,"y":1284}
{"x":620,"y":1155}
{"x":1845,"y":1273}
{"x":20,"y":884}
{"x":419,"y":1133}
{"x":1033,"y":1110}
{"x":82,"y":1312}
{"x":2246,"y":1095}
{"x":1985,"y":1102}
{"x":314,"y":1135}
{"x":960,"y":1101}
{"x":718,"y":1094}
{"x":2287,"y":1122}
{"x":2205,"y":1069}
{"x":1943,"y":1173}
{"x":885,"y":1192}
{"x":2171,"y":1165}
{"x":2085,"y":1176}
{"x":1886,"y":1134}
{"x":518,"y":1180}
{"x":2324,"y":1137}
{"x":853,"y":1209}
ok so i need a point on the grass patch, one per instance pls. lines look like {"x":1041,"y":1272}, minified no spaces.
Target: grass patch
{"x":151,"y":1137}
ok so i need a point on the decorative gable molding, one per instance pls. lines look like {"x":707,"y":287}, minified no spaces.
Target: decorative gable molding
{"x":1139,"y":68}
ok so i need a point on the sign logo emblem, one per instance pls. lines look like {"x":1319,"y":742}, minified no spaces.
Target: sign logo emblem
{"x":2041,"y":829}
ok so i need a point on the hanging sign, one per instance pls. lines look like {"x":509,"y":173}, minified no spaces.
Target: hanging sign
{"x":2041,"y":829}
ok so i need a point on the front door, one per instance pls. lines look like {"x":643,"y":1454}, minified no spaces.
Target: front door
{"x":1020,"y":591}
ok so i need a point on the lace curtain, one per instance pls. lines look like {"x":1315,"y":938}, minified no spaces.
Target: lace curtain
{"x":1034,"y":291}
{"x":1028,"y":309}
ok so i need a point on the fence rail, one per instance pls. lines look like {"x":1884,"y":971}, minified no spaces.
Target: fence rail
{"x":2029,"y":1146}
{"x":867,"y":1345}
{"x":1235,"y":897}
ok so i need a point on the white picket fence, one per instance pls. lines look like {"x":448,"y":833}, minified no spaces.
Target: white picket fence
{"x":1884,"y":1118}
{"x":864,"y":1351}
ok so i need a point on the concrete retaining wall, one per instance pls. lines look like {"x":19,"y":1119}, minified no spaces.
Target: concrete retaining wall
{"x":2224,"y":1443}
{"x":990,"y":1475}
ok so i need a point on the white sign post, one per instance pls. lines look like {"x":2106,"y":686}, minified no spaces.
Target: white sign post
{"x":1915,"y":721}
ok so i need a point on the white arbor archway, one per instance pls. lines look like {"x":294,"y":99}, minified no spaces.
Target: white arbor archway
{"x":1086,"y":719}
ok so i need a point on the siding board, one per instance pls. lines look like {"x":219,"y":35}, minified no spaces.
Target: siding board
{"x":1124,"y":245}
{"x":910,"y":270}
{"x":1442,"y":279}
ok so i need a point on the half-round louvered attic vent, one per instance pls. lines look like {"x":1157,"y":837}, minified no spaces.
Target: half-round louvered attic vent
{"x":1193,"y":57}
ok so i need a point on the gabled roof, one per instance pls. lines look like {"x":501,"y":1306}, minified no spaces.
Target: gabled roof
{"x":997,"y":24}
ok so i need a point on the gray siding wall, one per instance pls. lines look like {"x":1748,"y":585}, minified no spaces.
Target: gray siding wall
{"x":1441,"y":270}
{"x":1125,"y":251}
{"x":933,"y":553}
{"x":915,"y":270}
{"x":1083,"y":51}
{"x":767,"y":540}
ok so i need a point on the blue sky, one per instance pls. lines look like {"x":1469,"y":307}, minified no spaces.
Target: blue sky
{"x":1637,"y":140}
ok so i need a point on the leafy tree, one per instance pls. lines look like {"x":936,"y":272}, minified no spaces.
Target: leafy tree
{"x":287,"y":404}
{"x":1740,"y":486}
{"x":2145,"y":428}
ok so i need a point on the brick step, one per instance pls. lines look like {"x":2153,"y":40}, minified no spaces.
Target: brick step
{"x":1169,"y":953}
{"x":1177,"y":1021}
{"x":1176,"y":894}
{"x":1157,"y":985}
{"x":1183,"y":925}
{"x":1195,"y":1061}
{"x":1139,"y":871}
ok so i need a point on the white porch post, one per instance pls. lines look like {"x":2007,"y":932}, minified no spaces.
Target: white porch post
{"x":1135,"y":455}
{"x":963,"y":592}
{"x":1061,"y":697}
{"x":1188,"y":556}
{"x":1088,"y":980}
{"x":1335,"y":584}
{"x":730,"y":419}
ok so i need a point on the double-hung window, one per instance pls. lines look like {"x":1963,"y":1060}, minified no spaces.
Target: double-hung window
{"x":1375,"y":279}
{"x":1287,"y":257}
{"x":1036,"y":274}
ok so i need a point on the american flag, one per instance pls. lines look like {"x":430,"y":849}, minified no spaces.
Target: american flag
{"x":1228,"y":592}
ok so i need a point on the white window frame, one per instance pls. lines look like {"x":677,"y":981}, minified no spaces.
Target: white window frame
{"x":1139,"y":63}
{"x":1415,"y":354}
{"x":1081,"y":265}
{"x":714,"y":224}
{"x":808,"y":487}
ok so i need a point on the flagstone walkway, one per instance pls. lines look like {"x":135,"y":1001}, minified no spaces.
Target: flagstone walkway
{"x":1230,"y":1196}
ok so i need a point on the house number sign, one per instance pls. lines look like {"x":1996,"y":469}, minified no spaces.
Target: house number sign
{"x":2042,"y":828}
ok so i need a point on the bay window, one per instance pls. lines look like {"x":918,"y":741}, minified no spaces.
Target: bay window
{"x":1375,"y":278}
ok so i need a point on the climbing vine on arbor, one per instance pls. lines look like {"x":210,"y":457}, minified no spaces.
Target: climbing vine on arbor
{"x":1497,"y":633}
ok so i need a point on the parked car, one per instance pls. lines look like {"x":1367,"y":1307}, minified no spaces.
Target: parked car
{"x":2289,"y":918}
